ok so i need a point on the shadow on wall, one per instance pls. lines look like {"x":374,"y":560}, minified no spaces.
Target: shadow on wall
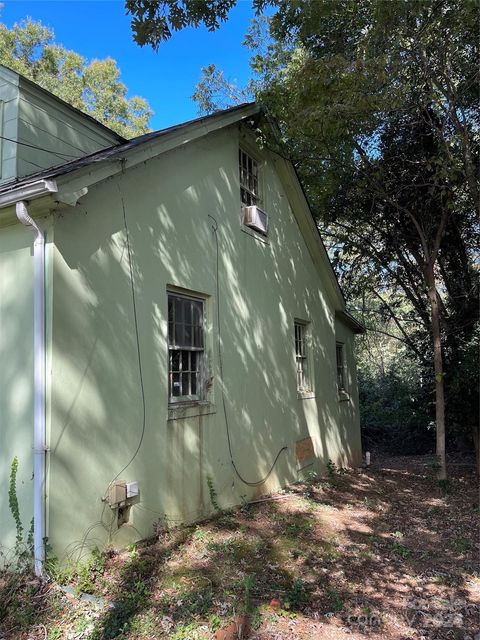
{"x":97,"y":422}
{"x":16,"y":377}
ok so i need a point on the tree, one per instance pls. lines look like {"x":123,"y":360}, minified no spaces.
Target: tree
{"x":95,"y":88}
{"x":155,"y":21}
{"x":379,"y":111}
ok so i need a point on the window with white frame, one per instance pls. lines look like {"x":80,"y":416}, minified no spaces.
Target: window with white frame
{"x":341,"y":368}
{"x":186,"y":347}
{"x":249,"y":181}
{"x":301,"y":356}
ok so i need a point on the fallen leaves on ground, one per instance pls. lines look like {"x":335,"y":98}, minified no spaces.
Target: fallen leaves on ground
{"x":386,"y":553}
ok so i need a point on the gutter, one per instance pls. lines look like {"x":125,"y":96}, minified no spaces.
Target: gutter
{"x":18,"y":198}
{"x":29,"y":191}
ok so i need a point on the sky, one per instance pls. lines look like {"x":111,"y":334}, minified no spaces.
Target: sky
{"x":100,"y":28}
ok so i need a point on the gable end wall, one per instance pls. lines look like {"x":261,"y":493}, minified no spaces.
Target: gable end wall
{"x":97,"y":411}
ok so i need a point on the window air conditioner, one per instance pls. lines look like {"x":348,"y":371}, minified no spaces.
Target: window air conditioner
{"x":255,"y":218}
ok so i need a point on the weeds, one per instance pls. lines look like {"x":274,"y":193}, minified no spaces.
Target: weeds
{"x":195,"y":580}
{"x":335,"y":601}
{"x":213,"y":495}
{"x":401,"y":550}
{"x":23,"y":551}
{"x":461,"y":546}
{"x":332,"y":469}
{"x":297,"y":596}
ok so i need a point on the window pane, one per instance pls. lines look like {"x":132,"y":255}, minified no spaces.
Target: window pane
{"x":179,"y":335}
{"x":175,"y":355}
{"x":187,"y":307}
{"x":179,"y":310}
{"x":176,"y":384}
{"x":185,"y":385}
{"x":197,"y":308}
{"x":198,"y":338}
{"x":185,"y":332}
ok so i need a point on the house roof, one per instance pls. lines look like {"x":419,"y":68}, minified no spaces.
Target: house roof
{"x":38,"y":88}
{"x":173,"y":137}
{"x":118,"y":151}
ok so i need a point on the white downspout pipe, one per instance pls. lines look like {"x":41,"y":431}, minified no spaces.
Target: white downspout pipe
{"x":39,"y":438}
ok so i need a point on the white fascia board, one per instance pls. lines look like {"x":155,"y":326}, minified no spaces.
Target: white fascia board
{"x":104,"y":168}
{"x":93,"y":173}
{"x":27,"y":192}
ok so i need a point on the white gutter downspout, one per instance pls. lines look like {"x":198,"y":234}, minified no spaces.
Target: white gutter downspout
{"x":39,"y":438}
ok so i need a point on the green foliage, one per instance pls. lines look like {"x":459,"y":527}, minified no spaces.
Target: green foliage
{"x":248,"y":584}
{"x":154,"y":21}
{"x":297,"y":595}
{"x":446,"y":485}
{"x":401,"y":550}
{"x":459,"y":545}
{"x":214,"y":92}
{"x":89,"y":572}
{"x":382,"y":125}
{"x":395,"y":403}
{"x":13,"y":501}
{"x":332,"y":470}
{"x":94,"y":87}
{"x":335,"y":601}
{"x":23,"y":552}
{"x":213,"y":495}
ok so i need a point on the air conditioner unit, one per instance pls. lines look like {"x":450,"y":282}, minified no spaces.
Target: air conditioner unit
{"x":255,"y":218}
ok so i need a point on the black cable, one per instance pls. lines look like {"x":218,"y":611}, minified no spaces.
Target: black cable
{"x":32,"y":146}
{"x":140,"y":370}
{"x":220,"y":361}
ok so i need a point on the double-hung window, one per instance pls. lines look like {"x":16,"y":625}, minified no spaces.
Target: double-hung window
{"x":186,"y":347}
{"x":341,"y":369}
{"x":249,"y":182}
{"x":301,"y":357}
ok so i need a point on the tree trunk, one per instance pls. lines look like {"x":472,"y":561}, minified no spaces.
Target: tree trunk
{"x":476,"y":442}
{"x":438,"y":367}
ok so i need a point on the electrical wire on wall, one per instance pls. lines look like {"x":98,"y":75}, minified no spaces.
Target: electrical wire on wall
{"x":34,"y":146}
{"x":137,"y":341}
{"x":255,"y":483}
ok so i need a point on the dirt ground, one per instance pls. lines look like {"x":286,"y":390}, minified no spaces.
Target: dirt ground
{"x":386,"y":553}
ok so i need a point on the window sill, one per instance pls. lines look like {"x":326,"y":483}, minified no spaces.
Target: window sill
{"x":305,"y":395}
{"x":254,"y":234}
{"x":191,"y":409}
{"x":343,"y":396}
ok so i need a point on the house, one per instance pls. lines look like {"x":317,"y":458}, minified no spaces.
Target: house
{"x":172,"y":330}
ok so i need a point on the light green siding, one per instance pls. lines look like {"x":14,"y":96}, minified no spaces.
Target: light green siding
{"x":8,"y":123}
{"x":46,"y":123}
{"x":16,"y":376}
{"x":43,"y":131}
{"x":97,"y":410}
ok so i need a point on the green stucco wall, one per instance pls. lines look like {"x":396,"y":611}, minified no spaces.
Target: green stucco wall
{"x":97,"y":409}
{"x":16,"y":377}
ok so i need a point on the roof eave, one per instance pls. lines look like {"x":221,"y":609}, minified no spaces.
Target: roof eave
{"x":347,"y":318}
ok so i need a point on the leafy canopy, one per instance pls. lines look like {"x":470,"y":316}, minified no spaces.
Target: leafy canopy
{"x":378,"y":106}
{"x":93,"y":87}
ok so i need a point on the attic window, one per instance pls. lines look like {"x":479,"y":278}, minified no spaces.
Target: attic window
{"x":249,"y":185}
